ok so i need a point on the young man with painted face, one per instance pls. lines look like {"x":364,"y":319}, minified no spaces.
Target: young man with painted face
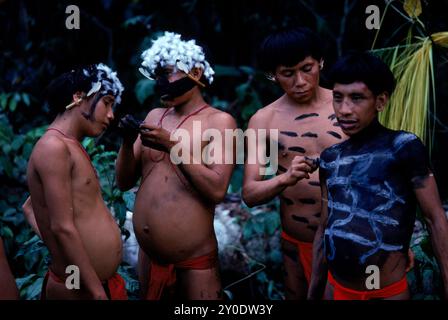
{"x":306,"y":123}
{"x":69,"y":211}
{"x":371,"y":185}
{"x":175,"y":203}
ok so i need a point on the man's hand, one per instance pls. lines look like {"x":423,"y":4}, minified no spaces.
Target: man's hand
{"x":156,"y":137}
{"x":299,"y":169}
{"x":129,"y":128}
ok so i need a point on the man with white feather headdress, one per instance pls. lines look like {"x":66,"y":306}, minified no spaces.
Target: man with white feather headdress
{"x":175,"y":203}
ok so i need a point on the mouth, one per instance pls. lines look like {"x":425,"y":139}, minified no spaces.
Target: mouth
{"x":347,"y":124}
{"x":301,"y":93}
{"x":166,"y":98}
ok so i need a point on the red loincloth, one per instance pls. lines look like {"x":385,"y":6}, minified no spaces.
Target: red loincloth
{"x":115,"y":286}
{"x":342,"y":293}
{"x":305,"y":254}
{"x":162,"y":278}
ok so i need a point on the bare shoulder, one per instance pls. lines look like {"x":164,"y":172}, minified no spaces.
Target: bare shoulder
{"x":220,"y":119}
{"x":326,"y":100}
{"x":49,"y":151}
{"x":263,"y":116}
{"x":155,"y":113}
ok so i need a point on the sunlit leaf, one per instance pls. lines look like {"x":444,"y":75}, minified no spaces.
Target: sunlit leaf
{"x":413,"y":8}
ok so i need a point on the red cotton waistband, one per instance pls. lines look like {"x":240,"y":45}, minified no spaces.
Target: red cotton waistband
{"x":342,"y":293}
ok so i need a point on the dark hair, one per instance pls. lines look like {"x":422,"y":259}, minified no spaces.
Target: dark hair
{"x":59,"y":92}
{"x":363,"y":67}
{"x":288,"y":48}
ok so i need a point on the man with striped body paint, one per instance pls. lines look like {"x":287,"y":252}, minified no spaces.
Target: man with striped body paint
{"x":307,"y":125}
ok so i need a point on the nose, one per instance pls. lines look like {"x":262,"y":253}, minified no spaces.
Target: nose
{"x":345,"y":107}
{"x":110,"y":115}
{"x":299,"y":80}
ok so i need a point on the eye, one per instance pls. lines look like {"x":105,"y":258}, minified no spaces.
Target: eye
{"x":357,"y":97}
{"x":337,"y":97}
{"x":287,"y":73}
{"x":108,"y":102}
{"x":307,"y":68}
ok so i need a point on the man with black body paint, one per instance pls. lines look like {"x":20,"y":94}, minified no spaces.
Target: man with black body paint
{"x":306,"y":123}
{"x":370,"y":185}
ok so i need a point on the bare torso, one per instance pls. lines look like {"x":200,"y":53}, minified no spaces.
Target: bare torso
{"x":303,"y":132}
{"x":98,"y":231}
{"x":172,"y":221}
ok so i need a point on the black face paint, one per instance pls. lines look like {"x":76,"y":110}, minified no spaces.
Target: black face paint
{"x":314,"y":183}
{"x":336,"y":124}
{"x":371,"y":199}
{"x":170,"y":90}
{"x":312,"y":228}
{"x":297,"y":149}
{"x":289,"y":133}
{"x":332,"y":117}
{"x":306,"y":115}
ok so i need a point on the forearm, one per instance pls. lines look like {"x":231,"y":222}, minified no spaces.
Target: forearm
{"x":438,"y":229}
{"x":126,"y":167}
{"x":263,"y":191}
{"x":73,"y":252}
{"x":28,"y":211}
{"x":320,"y":269}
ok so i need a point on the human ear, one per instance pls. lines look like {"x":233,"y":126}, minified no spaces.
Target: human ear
{"x":76,"y":100}
{"x":196,"y":73}
{"x":381,"y":101}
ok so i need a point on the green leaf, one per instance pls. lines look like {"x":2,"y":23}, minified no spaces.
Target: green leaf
{"x":34,"y":290}
{"x":258,"y":226}
{"x":6,"y":232}
{"x":143,"y":89}
{"x":26,"y":99}
{"x":4,"y":100}
{"x":6,"y":166}
{"x":88,"y":144}
{"x":129,"y":200}
{"x":12,"y":105}
{"x":17,"y":142}
{"x":25,"y":281}
{"x":248,"y":230}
